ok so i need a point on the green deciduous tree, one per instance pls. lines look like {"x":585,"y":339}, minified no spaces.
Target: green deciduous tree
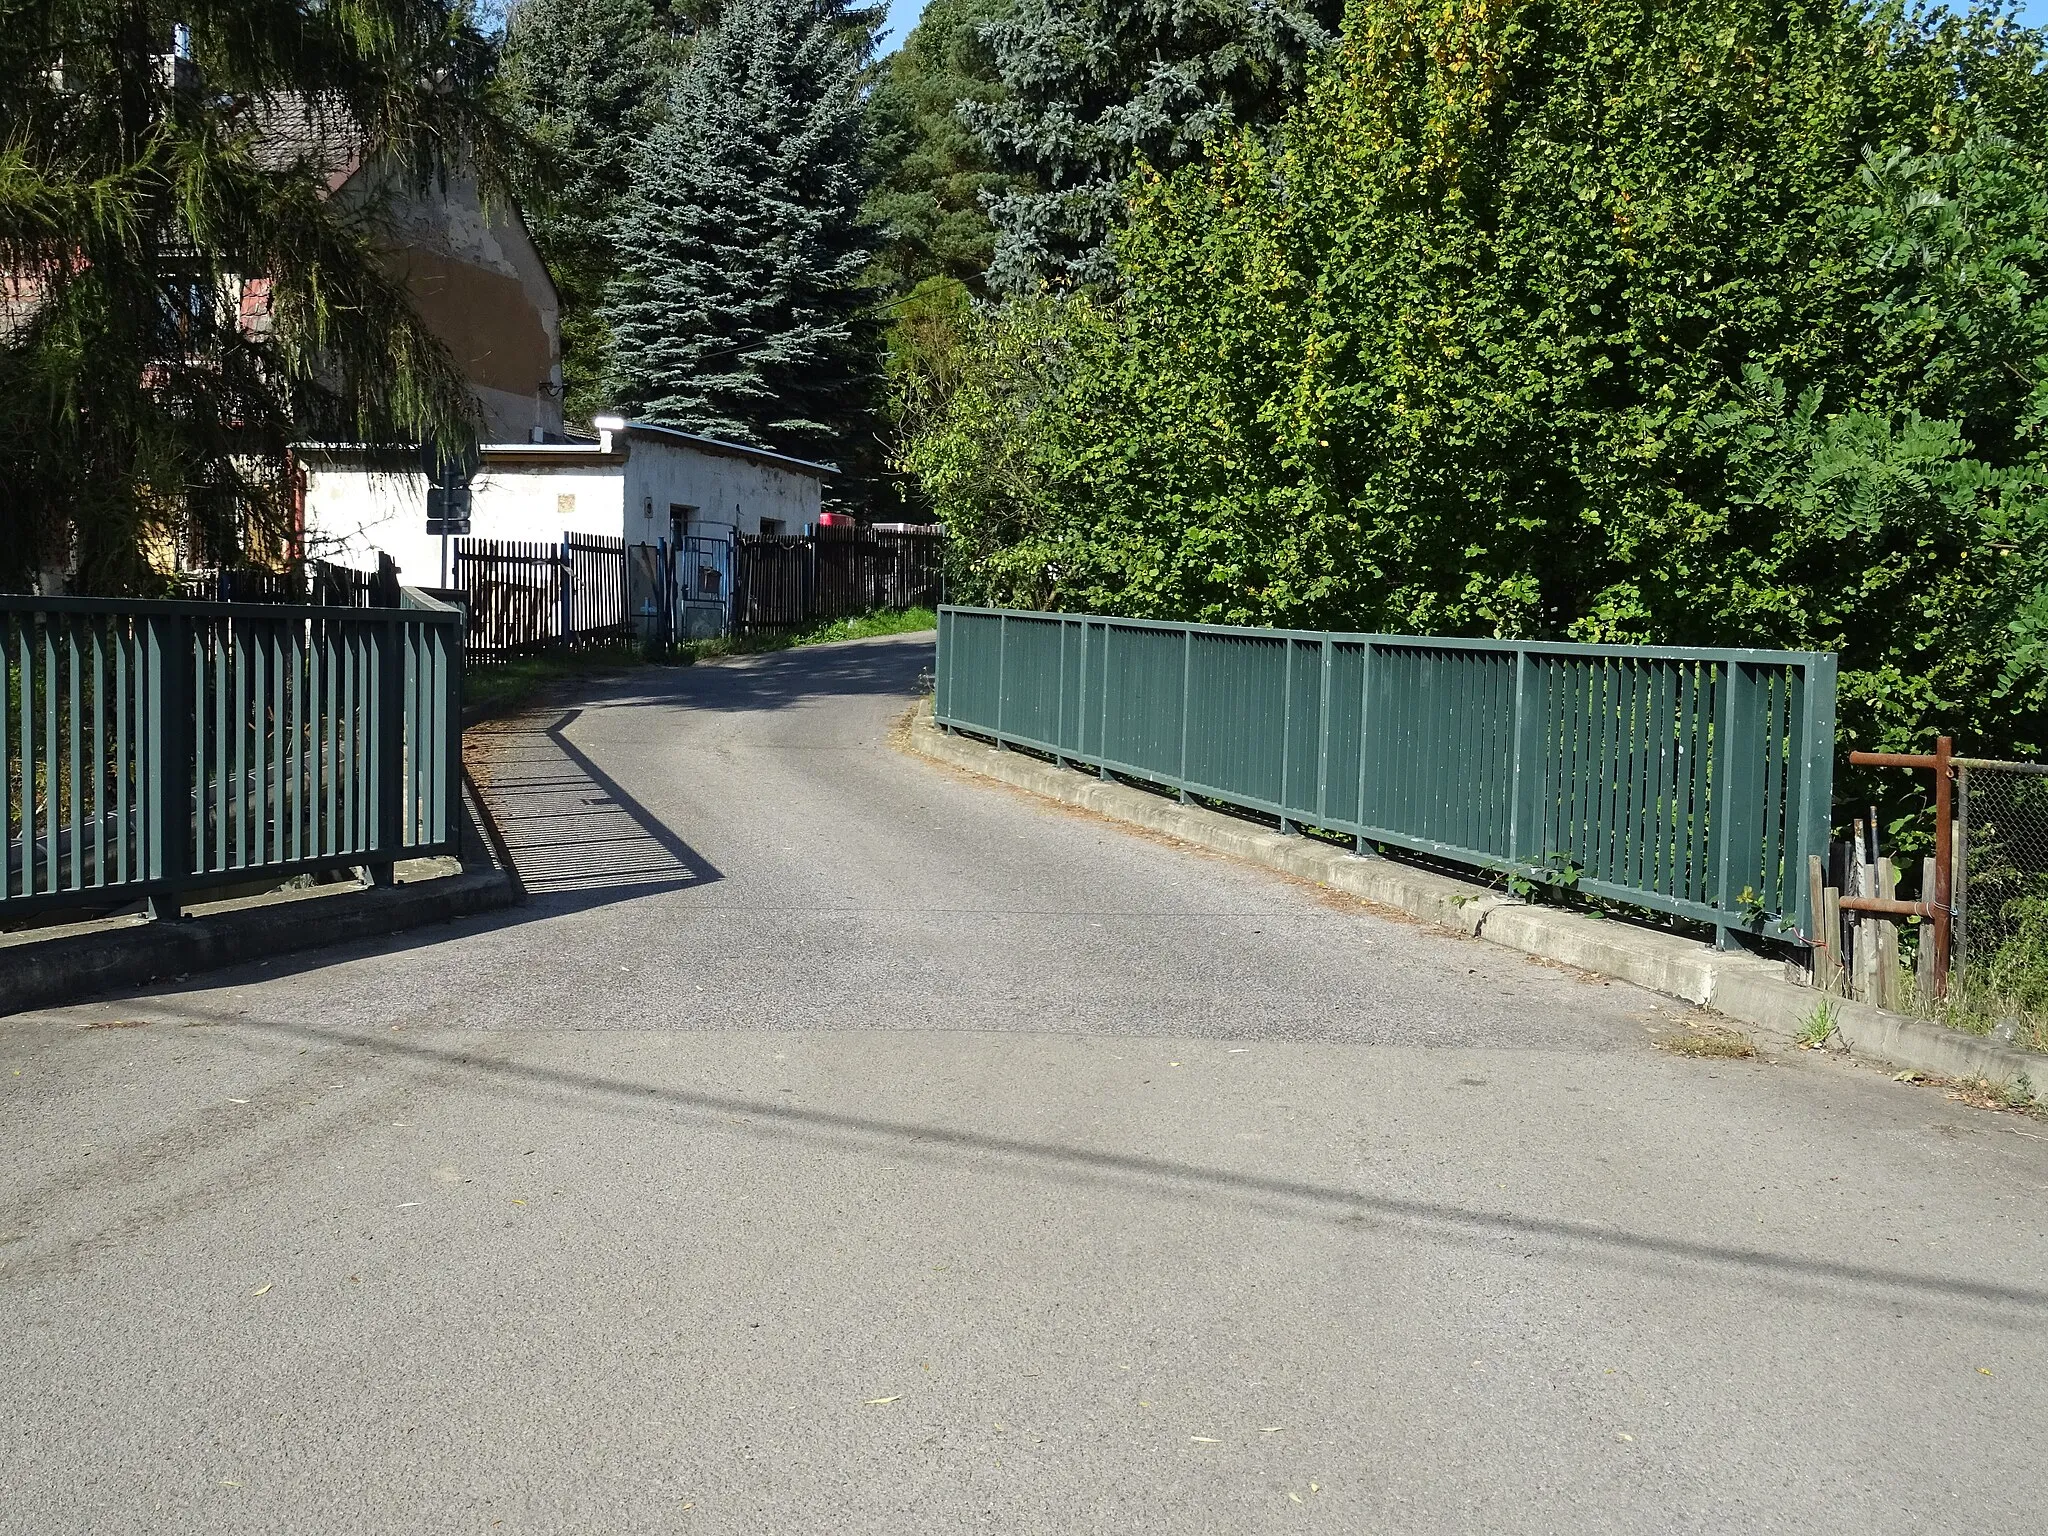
{"x":741,"y":307}
{"x":1695,"y":323}
{"x":180,"y":296}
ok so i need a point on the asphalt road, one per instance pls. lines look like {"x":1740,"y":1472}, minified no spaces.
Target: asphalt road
{"x":839,"y":1145}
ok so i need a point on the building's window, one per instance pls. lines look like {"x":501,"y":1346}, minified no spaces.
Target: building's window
{"x":565,"y":504}
{"x":771,"y":526}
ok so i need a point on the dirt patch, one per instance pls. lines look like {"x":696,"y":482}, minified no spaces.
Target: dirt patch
{"x":1978,"y":1093}
{"x":1709,"y":1042}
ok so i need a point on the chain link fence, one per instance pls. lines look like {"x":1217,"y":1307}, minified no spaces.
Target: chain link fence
{"x":2001,"y":898}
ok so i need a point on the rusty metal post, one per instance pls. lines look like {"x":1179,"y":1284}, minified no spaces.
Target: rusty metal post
{"x":1944,"y":861}
{"x":1938,"y":909}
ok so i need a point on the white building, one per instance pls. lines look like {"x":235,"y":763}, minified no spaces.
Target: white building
{"x":638,"y":482}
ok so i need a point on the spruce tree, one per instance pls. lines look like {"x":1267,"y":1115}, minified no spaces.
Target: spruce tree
{"x":933,"y":177}
{"x":588,"y":79}
{"x":1092,"y":85}
{"x":740,"y":309}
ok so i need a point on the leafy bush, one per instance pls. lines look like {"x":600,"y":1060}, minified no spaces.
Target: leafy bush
{"x":1717,"y":322}
{"x":2018,"y":972}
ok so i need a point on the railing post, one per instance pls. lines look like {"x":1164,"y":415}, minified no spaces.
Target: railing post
{"x":1002,"y":674}
{"x":454,"y":659}
{"x":1527,"y":776}
{"x":1734,"y":793}
{"x":167,"y":701}
{"x":1187,"y":678}
{"x":1102,"y":733}
{"x":1364,"y":738}
{"x":1286,"y":730}
{"x":1323,"y":741}
{"x":387,"y":746}
{"x":1816,"y":781}
{"x":1059,"y":729}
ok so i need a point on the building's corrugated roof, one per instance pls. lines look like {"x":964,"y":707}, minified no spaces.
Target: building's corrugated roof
{"x":732,"y":450}
{"x":585,"y":451}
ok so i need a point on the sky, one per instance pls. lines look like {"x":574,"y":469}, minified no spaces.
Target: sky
{"x":903,"y":16}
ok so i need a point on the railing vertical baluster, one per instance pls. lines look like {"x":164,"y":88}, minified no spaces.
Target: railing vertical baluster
{"x":259,"y":732}
{"x":277,"y":646}
{"x":26,"y":650}
{"x":75,"y":757}
{"x":452,"y":665}
{"x":1735,"y":774}
{"x":219,"y":759}
{"x":297,"y":707}
{"x":345,"y":739}
{"x":331,"y":639}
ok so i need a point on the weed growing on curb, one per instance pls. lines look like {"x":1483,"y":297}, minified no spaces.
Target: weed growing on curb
{"x":1818,"y":1029}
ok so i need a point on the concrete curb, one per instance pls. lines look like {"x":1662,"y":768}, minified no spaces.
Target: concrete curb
{"x":1743,"y":987}
{"x":55,"y":971}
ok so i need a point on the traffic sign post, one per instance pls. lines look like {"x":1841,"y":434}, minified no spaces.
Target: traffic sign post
{"x":448,"y":498}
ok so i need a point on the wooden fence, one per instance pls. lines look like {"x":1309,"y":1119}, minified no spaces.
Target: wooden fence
{"x":792,"y":583}
{"x":318,"y":582}
{"x":524,"y":597}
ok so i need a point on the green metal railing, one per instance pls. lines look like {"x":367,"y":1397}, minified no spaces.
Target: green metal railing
{"x":156,"y":748}
{"x":1688,"y":782}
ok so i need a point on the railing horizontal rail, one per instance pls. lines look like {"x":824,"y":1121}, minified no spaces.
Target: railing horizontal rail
{"x":144,"y":607}
{"x":1435,"y":642}
{"x":1688,"y":781}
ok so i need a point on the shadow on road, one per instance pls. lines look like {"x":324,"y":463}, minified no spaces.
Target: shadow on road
{"x":570,"y":827}
{"x":781,"y":679}
{"x":577,"y":840}
{"x":1549,"y":1239}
